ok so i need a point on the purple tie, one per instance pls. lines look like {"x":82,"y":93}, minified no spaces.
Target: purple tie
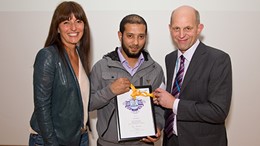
{"x":175,"y":92}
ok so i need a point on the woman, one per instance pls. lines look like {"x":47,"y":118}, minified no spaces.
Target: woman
{"x":61,"y":85}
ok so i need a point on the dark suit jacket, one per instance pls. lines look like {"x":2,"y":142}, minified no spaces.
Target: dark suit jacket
{"x":205,"y":97}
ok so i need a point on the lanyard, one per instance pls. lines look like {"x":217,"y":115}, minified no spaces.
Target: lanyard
{"x":176,"y":70}
{"x":178,"y":86}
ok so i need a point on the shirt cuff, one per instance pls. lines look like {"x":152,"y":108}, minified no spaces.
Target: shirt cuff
{"x":175,"y":106}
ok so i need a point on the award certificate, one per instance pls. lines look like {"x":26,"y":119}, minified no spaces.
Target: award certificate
{"x":135,"y":116}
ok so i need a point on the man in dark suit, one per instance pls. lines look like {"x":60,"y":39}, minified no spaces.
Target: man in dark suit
{"x":204,"y":86}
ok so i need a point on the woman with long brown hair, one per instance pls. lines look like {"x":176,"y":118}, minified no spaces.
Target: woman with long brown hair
{"x":60,"y":81}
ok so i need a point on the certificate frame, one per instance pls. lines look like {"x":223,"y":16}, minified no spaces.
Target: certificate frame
{"x":135,"y":117}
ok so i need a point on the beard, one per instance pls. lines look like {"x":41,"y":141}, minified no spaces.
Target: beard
{"x":128,"y":53}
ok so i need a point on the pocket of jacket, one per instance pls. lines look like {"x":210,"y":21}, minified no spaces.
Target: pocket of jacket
{"x":109,"y":76}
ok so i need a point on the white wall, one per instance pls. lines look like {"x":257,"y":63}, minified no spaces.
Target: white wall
{"x":232,"y":26}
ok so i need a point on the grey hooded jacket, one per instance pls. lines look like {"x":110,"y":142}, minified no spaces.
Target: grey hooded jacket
{"x":104,"y":72}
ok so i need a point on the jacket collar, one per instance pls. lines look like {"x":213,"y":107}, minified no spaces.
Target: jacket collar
{"x":114,"y":55}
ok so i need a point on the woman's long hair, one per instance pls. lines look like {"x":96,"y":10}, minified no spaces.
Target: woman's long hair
{"x":64,"y":12}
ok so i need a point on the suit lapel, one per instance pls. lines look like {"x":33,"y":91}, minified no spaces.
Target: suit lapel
{"x":170,"y":66}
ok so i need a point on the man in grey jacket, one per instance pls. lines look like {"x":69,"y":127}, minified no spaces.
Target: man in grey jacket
{"x":112,"y":76}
